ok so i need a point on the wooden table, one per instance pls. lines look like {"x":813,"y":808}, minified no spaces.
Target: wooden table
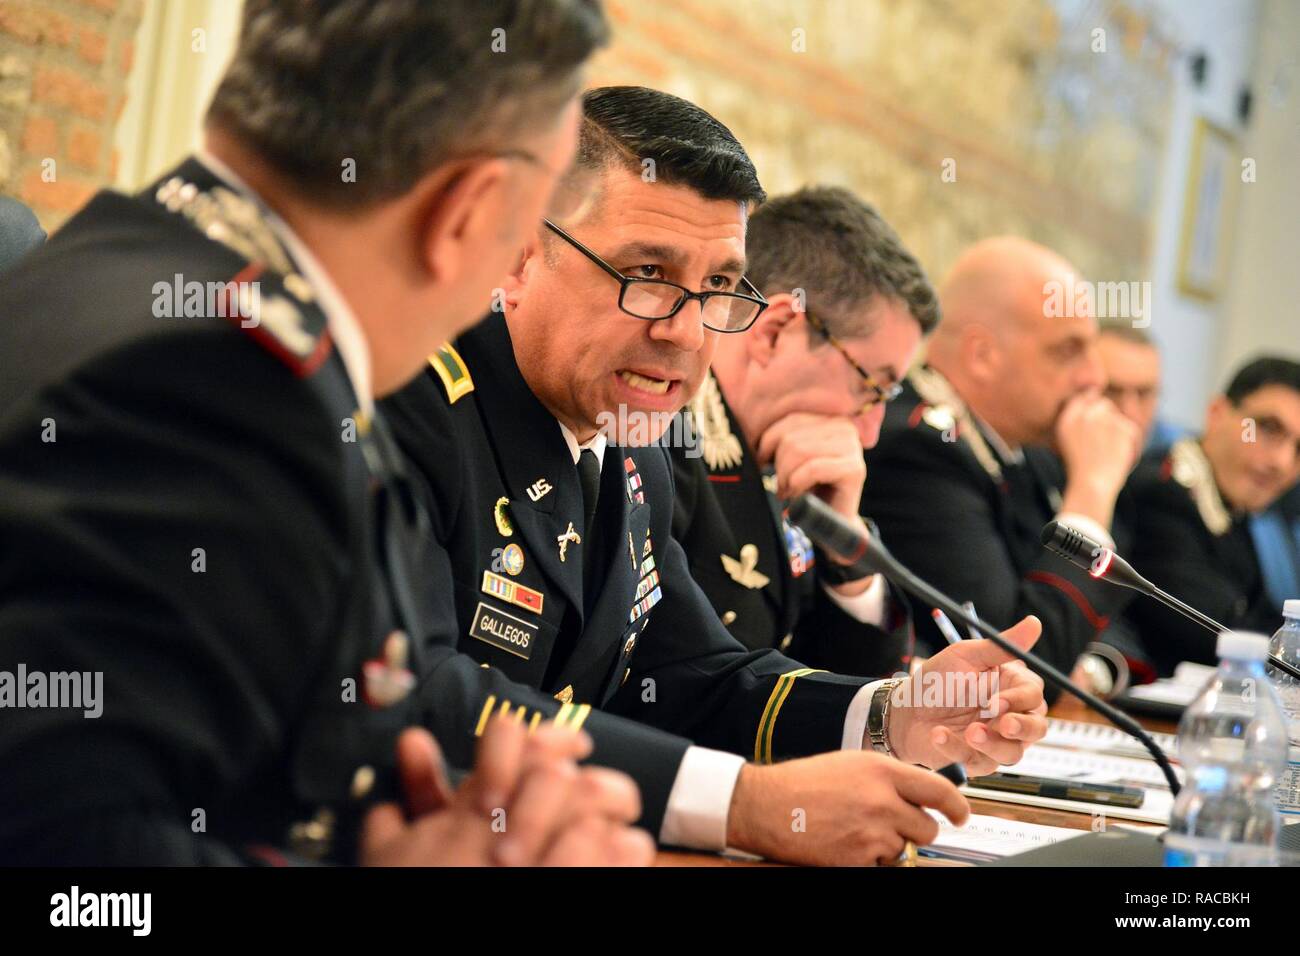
{"x":1068,"y":708}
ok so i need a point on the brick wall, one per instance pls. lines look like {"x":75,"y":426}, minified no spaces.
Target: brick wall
{"x":1047,"y":137}
{"x":63,"y":70}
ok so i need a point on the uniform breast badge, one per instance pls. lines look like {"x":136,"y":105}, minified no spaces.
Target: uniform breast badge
{"x":745,"y":571}
{"x":569,"y":536}
{"x":513,"y":592}
{"x":501,"y":518}
{"x":512,"y":559}
{"x":799,"y":547}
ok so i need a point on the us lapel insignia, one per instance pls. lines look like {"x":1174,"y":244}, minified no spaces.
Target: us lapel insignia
{"x":512,"y":559}
{"x":512,"y":592}
{"x":539,"y":489}
{"x":502,"y":519}
{"x":745,"y":571}
{"x":563,"y":540}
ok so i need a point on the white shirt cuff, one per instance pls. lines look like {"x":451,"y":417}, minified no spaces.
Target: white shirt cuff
{"x":698,"y":804}
{"x":867,"y":607}
{"x":855,"y":721}
{"x":1087,"y":526}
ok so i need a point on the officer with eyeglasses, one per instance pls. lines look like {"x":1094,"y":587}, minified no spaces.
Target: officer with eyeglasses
{"x":787,"y":409}
{"x":552,"y":507}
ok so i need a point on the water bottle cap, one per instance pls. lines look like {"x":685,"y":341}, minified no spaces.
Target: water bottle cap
{"x":1241,"y":646}
{"x":1291,"y":608}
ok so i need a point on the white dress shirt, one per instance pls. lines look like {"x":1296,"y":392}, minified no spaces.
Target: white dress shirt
{"x":700,"y":799}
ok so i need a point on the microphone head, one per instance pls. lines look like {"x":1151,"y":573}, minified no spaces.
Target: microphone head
{"x":1088,"y":555}
{"x":1065,"y":541}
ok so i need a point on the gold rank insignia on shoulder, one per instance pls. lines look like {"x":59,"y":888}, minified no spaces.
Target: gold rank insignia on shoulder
{"x":450,"y":367}
{"x":501,"y":518}
{"x":745,"y":571}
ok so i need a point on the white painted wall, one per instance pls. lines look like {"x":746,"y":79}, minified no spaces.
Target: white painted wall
{"x":1190,"y":331}
{"x":1262,"y":310}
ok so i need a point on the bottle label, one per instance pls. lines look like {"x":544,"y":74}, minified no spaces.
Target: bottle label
{"x":1287,"y":791}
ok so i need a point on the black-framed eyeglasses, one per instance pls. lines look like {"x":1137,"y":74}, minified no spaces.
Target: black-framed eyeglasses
{"x":660,"y":299}
{"x":880,"y":394}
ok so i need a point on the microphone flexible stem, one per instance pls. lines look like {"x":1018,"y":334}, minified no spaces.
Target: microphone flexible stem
{"x":913,"y":584}
{"x":1187,"y":611}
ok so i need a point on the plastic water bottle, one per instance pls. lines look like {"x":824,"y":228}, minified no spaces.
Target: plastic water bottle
{"x":1232,"y":742}
{"x":1286,"y":645}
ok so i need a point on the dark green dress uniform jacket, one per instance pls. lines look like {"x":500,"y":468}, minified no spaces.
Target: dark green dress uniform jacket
{"x":185,"y":510}
{"x":505,"y":492}
{"x":759,"y":572}
{"x":967,"y":521}
{"x":1188,"y":542}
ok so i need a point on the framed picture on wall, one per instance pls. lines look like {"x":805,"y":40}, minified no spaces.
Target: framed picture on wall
{"x":1212,"y":177}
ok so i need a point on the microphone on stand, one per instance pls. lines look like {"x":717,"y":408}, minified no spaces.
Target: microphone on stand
{"x":866,"y":551}
{"x":1105,"y":565}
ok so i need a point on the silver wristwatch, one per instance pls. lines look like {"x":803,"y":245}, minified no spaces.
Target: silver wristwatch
{"x":878,"y":715}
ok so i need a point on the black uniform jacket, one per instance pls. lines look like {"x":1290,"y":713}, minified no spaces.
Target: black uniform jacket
{"x":760,"y":572}
{"x":969,"y":522}
{"x":1190,"y":543}
{"x":192,"y":507}
{"x":506,"y":494}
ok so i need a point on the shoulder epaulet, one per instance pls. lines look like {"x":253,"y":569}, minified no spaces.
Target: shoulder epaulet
{"x":446,"y":361}
{"x":268,"y":298}
{"x":943,"y":410}
{"x":1190,"y":468}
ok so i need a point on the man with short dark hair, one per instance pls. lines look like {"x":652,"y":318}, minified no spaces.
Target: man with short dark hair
{"x":787,"y":409}
{"x":1192,"y":511}
{"x":204,"y":516}
{"x":559,"y":537}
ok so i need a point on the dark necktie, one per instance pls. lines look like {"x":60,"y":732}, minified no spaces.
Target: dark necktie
{"x":589,"y":475}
